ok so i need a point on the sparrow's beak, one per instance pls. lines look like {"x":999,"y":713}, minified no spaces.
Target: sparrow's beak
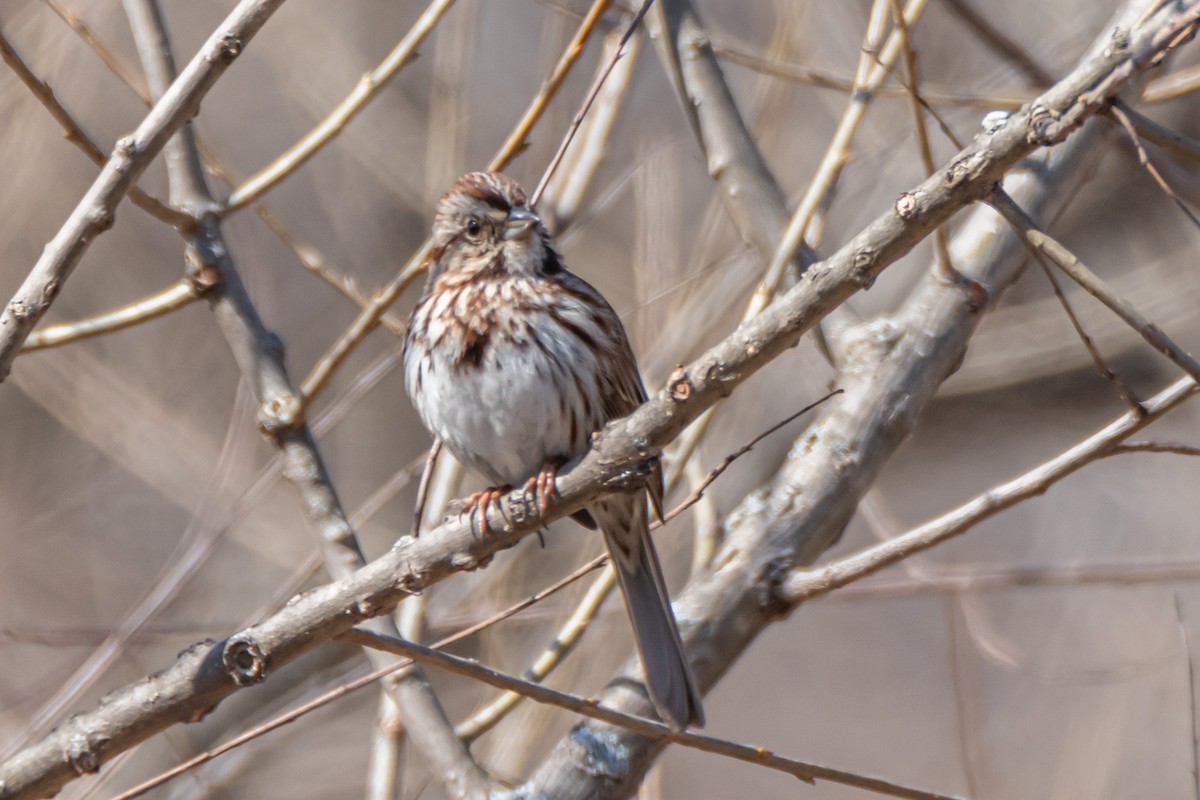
{"x":519,"y":223}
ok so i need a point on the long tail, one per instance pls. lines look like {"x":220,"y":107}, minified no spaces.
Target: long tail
{"x":669,"y":680}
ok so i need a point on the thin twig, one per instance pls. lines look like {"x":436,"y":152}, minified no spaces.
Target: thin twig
{"x":94,"y":213}
{"x":1064,"y":259}
{"x":587,"y":707}
{"x":178,"y":295}
{"x":516,"y":142}
{"x":561,"y":202}
{"x":827,"y":80}
{"x":1177,"y":448}
{"x":1102,"y":366}
{"x":368,"y":87}
{"x":805,"y":584}
{"x":341,"y":691}
{"x":76,"y":136}
{"x":835,"y":158}
{"x":941,"y":249}
{"x":588,"y":99}
{"x":1119,"y":110}
{"x":1176,"y":84}
{"x":1001,"y":44}
{"x":308,"y":256}
{"x":423,"y":487}
{"x":1167,"y":138}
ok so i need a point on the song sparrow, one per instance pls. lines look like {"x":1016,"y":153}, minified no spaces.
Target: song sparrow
{"x":513,"y":363}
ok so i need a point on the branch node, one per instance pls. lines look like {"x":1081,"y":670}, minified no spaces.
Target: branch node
{"x":244,"y":661}
{"x":82,"y":756}
{"x":279,"y":413}
{"x":1042,"y":126}
{"x":681,"y":387}
{"x":1119,"y":44}
{"x":126,"y":149}
{"x":19,"y":310}
{"x":229,"y":48}
{"x":906,"y":205}
{"x":965,"y":166}
{"x":101,"y":220}
{"x":863,"y":259}
{"x":773,"y":597}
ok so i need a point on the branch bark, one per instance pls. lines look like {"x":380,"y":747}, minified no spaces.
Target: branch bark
{"x":737,"y":599}
{"x":95,"y":212}
{"x":260,"y":355}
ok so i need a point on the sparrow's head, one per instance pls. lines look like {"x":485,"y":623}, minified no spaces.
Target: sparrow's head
{"x":484,"y":224}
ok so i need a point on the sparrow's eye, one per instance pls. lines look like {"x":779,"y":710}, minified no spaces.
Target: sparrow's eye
{"x":474,"y":228}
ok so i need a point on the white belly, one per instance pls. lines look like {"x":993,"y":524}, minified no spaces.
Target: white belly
{"x":510,"y":414}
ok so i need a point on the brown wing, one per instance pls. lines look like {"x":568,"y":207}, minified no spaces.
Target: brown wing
{"x":620,"y":381}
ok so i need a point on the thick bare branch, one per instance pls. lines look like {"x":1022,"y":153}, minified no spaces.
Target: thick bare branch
{"x":731,"y":600}
{"x":260,"y":357}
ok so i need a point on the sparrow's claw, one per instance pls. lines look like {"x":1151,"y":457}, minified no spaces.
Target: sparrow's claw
{"x":480,"y":502}
{"x":542,"y":486}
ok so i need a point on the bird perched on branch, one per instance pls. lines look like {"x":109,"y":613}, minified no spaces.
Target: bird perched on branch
{"x":513,"y":363}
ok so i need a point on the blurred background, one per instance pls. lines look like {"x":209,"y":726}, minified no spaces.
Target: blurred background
{"x":140,"y":512}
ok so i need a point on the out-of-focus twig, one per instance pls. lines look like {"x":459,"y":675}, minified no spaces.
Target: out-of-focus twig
{"x":182,"y":293}
{"x":516,"y":142}
{"x":563,"y":196}
{"x":912,"y":84}
{"x":1120,"y":112}
{"x":807,"y":583}
{"x":95,"y":212}
{"x":826,"y":80}
{"x":1172,"y":85}
{"x":606,"y":69}
{"x":587,"y":707}
{"x":75,"y":135}
{"x":368,"y":87}
{"x":1001,"y":44}
{"x":1038,"y":240}
{"x":309,"y":257}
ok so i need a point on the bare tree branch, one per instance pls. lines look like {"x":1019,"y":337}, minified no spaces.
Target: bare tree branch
{"x":260,"y":356}
{"x":587,"y":707}
{"x":183,"y":292}
{"x":311,"y":143}
{"x":95,"y":212}
{"x":75,"y":134}
{"x":733,"y":600}
{"x":806,"y":584}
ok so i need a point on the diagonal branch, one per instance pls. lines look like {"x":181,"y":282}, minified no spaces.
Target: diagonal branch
{"x":75,"y":134}
{"x":211,"y":671}
{"x":805,"y":584}
{"x":897,"y":365}
{"x":95,"y":212}
{"x":1064,"y":259}
{"x":586,"y":707}
{"x":260,"y":356}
